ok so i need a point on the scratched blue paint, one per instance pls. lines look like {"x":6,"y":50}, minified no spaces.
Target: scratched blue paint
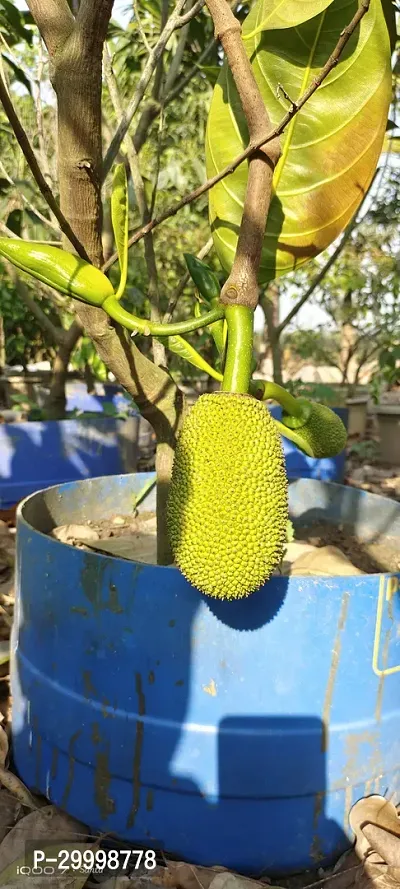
{"x":299,"y":465}
{"x":230,"y":733}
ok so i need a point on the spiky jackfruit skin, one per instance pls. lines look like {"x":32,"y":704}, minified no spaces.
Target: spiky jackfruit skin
{"x":228,"y":508}
{"x":324,"y":431}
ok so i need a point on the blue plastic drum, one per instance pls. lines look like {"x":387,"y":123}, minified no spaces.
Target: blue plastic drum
{"x":236,"y":734}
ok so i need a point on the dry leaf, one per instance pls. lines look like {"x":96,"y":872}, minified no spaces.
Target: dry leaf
{"x":17,"y":789}
{"x":180,"y":875}
{"x":136,"y":547}
{"x":72,"y":533}
{"x":325,"y":561}
{"x":10,"y":810}
{"x":3,"y":747}
{"x":47,"y":826}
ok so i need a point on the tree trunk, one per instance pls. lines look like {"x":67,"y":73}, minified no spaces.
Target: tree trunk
{"x":77,"y":81}
{"x":56,"y":401}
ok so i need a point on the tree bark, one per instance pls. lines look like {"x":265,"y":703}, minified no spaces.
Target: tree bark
{"x":56,"y":401}
{"x":77,"y":80}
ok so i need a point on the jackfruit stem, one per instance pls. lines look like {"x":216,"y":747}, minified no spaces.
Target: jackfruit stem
{"x":149,"y":328}
{"x":298,"y":411}
{"x":239,"y":352}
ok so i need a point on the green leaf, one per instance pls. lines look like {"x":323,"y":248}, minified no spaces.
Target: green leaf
{"x":181,"y":347}
{"x":329,"y":150}
{"x":268,"y":15}
{"x":204,"y":278}
{"x":18,"y":73}
{"x":119,"y":217}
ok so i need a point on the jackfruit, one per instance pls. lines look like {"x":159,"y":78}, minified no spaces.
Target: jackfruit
{"x":227,"y":509}
{"x":324,"y":434}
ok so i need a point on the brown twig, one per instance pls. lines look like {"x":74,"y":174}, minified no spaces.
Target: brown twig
{"x":264,"y":139}
{"x":175,"y":21}
{"x":37,"y":174}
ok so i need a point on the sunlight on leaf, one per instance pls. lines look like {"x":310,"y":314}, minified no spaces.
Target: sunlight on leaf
{"x":329,"y":150}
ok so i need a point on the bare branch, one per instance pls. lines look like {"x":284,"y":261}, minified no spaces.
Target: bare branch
{"x":133,"y":160}
{"x":39,"y":116}
{"x":175,"y":21}
{"x":328,"y":265}
{"x":54,"y":20}
{"x":31,"y":160}
{"x":260,"y":142}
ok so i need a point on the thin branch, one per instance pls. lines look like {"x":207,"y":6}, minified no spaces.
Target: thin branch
{"x":328,"y":265}
{"x":261,"y":141}
{"x":140,"y":26}
{"x":47,"y":222}
{"x":153,"y":108}
{"x":178,"y":56}
{"x":175,"y":21}
{"x":183,"y":283}
{"x":31,"y":160}
{"x":39,"y":115}
{"x":177,"y":90}
{"x":159,"y":353}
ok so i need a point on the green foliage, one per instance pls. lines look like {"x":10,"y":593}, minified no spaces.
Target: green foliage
{"x":26,"y":341}
{"x":365,"y":450}
{"x":269,"y":15}
{"x":387,"y":377}
{"x":318,"y":344}
{"x":320,"y":392}
{"x":85,"y":355}
{"x":331,"y":147}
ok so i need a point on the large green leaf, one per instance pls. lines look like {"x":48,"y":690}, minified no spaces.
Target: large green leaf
{"x":270,"y":14}
{"x":330,"y":149}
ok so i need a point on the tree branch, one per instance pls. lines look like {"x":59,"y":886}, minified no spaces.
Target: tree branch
{"x":241,"y":287}
{"x":54,"y":20}
{"x":261,"y":141}
{"x":92,"y":20}
{"x":176,"y":20}
{"x":37,"y":174}
{"x":328,"y":265}
{"x":159,"y":353}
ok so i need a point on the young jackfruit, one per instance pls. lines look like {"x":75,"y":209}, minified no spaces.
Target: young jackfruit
{"x":324,"y":434}
{"x":227,"y":507}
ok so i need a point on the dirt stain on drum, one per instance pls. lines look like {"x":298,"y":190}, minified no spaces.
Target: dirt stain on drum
{"x":102,"y":781}
{"x":92,"y":579}
{"x":326,"y":711}
{"x":71,"y":768}
{"x":381,"y":685}
{"x":54,"y":763}
{"x":316,"y":852}
{"x":137,"y":753}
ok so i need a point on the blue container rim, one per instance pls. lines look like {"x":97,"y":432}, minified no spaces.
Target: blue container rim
{"x":330,"y":485}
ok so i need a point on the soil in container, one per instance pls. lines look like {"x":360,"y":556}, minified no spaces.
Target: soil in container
{"x":138,"y":534}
